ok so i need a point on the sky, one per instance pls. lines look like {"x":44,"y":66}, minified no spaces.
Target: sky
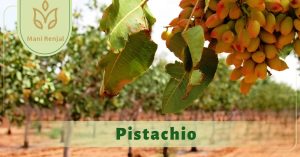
{"x":164,"y":11}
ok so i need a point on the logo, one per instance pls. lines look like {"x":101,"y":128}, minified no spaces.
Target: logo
{"x":41,"y":18}
{"x":44,"y":26}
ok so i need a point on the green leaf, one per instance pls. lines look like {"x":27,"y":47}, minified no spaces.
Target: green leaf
{"x":196,"y":78}
{"x":123,"y":18}
{"x":286,"y":50}
{"x":194,"y":37}
{"x":175,"y":97}
{"x":26,"y":83}
{"x":175,"y":70}
{"x":177,"y":45}
{"x":126,"y":66}
{"x":149,"y":16}
{"x":19,"y":75}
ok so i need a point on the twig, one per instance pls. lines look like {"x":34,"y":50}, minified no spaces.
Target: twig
{"x":194,"y":9}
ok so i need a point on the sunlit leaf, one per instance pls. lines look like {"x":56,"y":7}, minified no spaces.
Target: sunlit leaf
{"x":194,"y":37}
{"x":123,"y":18}
{"x":196,"y":77}
{"x":19,"y":75}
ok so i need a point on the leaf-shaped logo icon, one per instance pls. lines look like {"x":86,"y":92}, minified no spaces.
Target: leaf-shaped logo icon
{"x":38,"y":18}
{"x":52,"y":17}
{"x":45,"y":5}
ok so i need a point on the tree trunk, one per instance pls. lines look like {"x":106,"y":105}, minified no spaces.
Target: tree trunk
{"x":67,"y":132}
{"x":62,"y":134}
{"x":212,"y":141}
{"x":165,"y":152}
{"x":55,"y":114}
{"x":165,"y":149}
{"x":195,"y":118}
{"x":94,"y":129}
{"x":67,"y":140}
{"x":134,"y":116}
{"x":194,"y":149}
{"x":27,"y":125}
{"x":9,"y":128}
{"x":130,"y":152}
{"x":40,"y":117}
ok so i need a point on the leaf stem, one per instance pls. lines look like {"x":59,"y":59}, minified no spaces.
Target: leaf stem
{"x":144,"y":2}
{"x":194,"y":9}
